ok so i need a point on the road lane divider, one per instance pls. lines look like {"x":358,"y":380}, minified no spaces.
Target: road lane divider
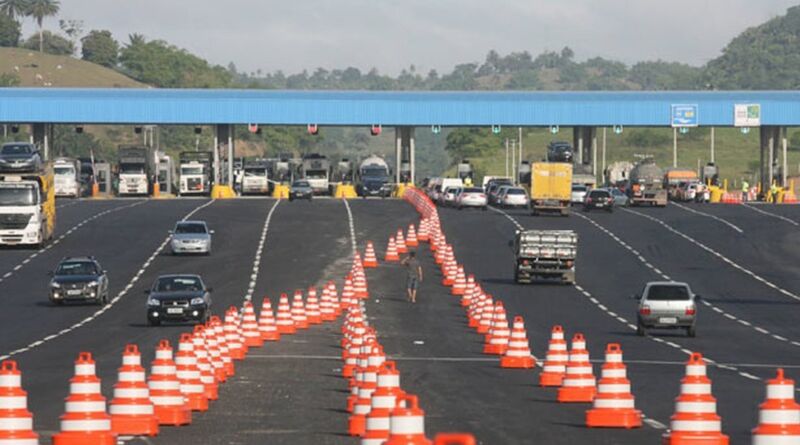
{"x":259,"y":251}
{"x":772,"y":215}
{"x":708,"y":215}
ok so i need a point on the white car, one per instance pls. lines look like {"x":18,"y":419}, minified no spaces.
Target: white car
{"x":191,"y":237}
{"x":513,"y":197}
{"x":472,"y":197}
{"x":448,"y":196}
{"x":578,"y":193}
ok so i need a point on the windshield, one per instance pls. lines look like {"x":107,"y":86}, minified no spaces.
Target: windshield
{"x":64,"y":171}
{"x":374,"y":172}
{"x":18,"y":196}
{"x":190,"y":228}
{"x":300,"y":184}
{"x":255,"y":172}
{"x":191,"y":170}
{"x":17,"y":149}
{"x":578,"y":188}
{"x":131,"y":169}
{"x":177,"y":284}
{"x":77,"y":268}
{"x":316,"y":174}
{"x":668,"y":292}
{"x":473,"y":190}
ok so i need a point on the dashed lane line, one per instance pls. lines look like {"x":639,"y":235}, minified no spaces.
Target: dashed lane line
{"x":716,"y":309}
{"x":773,"y":215}
{"x":111,"y":303}
{"x":351,"y":223}
{"x":58,"y":240}
{"x":708,"y":215}
{"x":257,"y":260}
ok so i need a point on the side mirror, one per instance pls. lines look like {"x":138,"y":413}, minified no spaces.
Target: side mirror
{"x":169,"y":232}
{"x":210,"y":289}
{"x":698,"y":297}
{"x":210,"y":232}
{"x":50,"y":274}
{"x":147,"y":292}
{"x":636,"y":297}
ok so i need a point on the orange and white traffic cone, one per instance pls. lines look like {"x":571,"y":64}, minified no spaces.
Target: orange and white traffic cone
{"x":215,"y":352}
{"x":411,"y":238}
{"x":299,"y":311}
{"x":518,"y":354}
{"x":189,"y":375}
{"x":370,"y":259}
{"x":366,"y":387}
{"x":779,"y":415}
{"x":383,"y":401}
{"x":460,"y":283}
{"x":579,"y":384}
{"x":454,"y":439}
{"x":402,"y":247}
{"x":132,"y":412}
{"x":407,"y":424}
{"x":555,"y":362}
{"x":485,"y":314}
{"x":16,"y":422}
{"x":333,"y":294}
{"x":496,"y":341}
{"x":249,"y":326}
{"x":392,"y":254}
{"x":233,"y":337}
{"x":266,"y":322}
{"x":284,"y":320}
{"x":312,"y":307}
{"x":695,"y":420}
{"x":326,"y":309}
{"x":614,"y":405}
{"x":85,"y":421}
{"x":204,"y":364}
{"x":360,"y":285}
{"x":222,"y":342}
{"x":169,"y":404}
{"x":348,"y":294}
{"x":423,"y":235}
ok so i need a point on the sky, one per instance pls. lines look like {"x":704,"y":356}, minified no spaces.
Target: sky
{"x":391,"y":35}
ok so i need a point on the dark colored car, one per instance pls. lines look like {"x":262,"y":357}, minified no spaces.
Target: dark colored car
{"x":599,"y":199}
{"x":178,"y":298}
{"x":301,"y":190}
{"x":559,"y":151}
{"x":79,"y":279}
{"x":21,"y":157}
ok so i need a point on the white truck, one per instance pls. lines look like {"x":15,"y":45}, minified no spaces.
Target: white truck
{"x":256,"y":177}
{"x":195,"y":172}
{"x":136,"y":168}
{"x":315,"y":168}
{"x":67,"y":179}
{"x":27,"y":208}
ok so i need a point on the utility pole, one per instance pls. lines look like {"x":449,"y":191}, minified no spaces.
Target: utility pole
{"x":520,"y":145}
{"x":506,"y":156}
{"x":604,"y":152}
{"x":513,"y":161}
{"x":713,"y":140}
{"x":675,"y":147}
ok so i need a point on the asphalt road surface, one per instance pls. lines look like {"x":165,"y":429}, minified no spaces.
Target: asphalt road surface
{"x":742,"y":259}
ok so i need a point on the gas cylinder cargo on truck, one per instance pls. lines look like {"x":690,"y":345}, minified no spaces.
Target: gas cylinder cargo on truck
{"x":551,"y":187}
{"x":27,"y":207}
{"x":545,"y":255}
{"x":646,"y":184}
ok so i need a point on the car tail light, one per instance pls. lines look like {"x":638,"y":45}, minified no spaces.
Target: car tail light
{"x":588,"y":199}
{"x":691,"y":310}
{"x":645,"y":310}
{"x":525,"y":262}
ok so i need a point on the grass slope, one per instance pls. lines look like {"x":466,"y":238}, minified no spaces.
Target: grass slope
{"x":35,"y":69}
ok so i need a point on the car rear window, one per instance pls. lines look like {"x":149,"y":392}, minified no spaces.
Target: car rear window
{"x":668,"y":292}
{"x":578,"y":188}
{"x":473,"y":190}
{"x":599,"y":194}
{"x":515,"y":192}
{"x":190,"y":228}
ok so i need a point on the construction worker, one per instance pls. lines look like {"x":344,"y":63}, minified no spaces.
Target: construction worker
{"x":467,"y":182}
{"x":773,"y":192}
{"x":745,"y":190}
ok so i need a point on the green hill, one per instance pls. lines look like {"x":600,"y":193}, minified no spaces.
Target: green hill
{"x":34,"y":69}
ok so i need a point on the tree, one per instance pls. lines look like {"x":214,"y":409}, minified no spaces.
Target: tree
{"x":100,"y":47}
{"x":160,"y":64}
{"x":39,"y":9}
{"x":50,"y":43}
{"x":8,"y":80}
{"x":15,"y":8}
{"x":73,"y":29}
{"x":9,"y":31}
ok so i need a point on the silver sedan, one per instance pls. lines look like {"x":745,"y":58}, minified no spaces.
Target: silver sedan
{"x":191,"y":237}
{"x":667,"y":304}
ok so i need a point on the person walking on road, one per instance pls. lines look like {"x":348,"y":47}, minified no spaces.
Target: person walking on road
{"x":414,"y":275}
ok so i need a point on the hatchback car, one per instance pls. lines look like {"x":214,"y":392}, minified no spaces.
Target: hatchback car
{"x":21,"y":157}
{"x":448,"y":197}
{"x":178,"y":298}
{"x":472,"y":197}
{"x":513,"y":197}
{"x":79,"y":279}
{"x":620,"y":198}
{"x":301,"y":189}
{"x":191,"y":237}
{"x":578,"y":193}
{"x":666,"y":304}
{"x":599,"y":199}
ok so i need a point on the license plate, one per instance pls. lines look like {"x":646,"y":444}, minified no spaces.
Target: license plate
{"x":74,"y":292}
{"x":175,"y":310}
{"x":667,"y":320}
{"x":600,"y":204}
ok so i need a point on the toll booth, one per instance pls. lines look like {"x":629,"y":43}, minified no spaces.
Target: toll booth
{"x":165,"y":175}
{"x":102,"y":171}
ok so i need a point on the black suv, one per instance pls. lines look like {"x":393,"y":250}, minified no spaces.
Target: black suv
{"x":178,"y":298}
{"x":79,"y":279}
{"x":559,"y":151}
{"x":599,"y":199}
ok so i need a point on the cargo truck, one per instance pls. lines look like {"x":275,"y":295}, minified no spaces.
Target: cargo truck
{"x":27,"y":208}
{"x":67,"y":177}
{"x":675,"y":176}
{"x":196,"y":172}
{"x":545,"y":255}
{"x":373,"y":178}
{"x":551,"y":187}
{"x":136,"y":169}
{"x":646,"y":186}
{"x":315,"y":168}
{"x":256,"y":177}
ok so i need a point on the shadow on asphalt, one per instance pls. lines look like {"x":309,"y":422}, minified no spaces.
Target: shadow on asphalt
{"x":752,"y":301}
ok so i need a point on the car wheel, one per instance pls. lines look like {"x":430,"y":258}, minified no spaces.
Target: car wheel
{"x":460,"y":208}
{"x":610,"y":210}
{"x":153,"y":322}
{"x":640,"y":329}
{"x":484,"y":208}
{"x":291,"y":198}
{"x":691,"y":331}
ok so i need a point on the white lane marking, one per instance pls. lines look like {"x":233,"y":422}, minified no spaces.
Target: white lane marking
{"x":257,"y":260}
{"x":509,"y":217}
{"x":704,"y":302}
{"x":69,"y":204}
{"x":111,"y":303}
{"x":717,"y":254}
{"x":64,"y":235}
{"x":780,"y":217}
{"x":653,"y":423}
{"x":708,"y":215}
{"x":352,"y":226}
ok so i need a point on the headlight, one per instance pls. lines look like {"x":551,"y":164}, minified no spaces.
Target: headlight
{"x":153,"y":302}
{"x":197,"y":301}
{"x":55,"y":285}
{"x":93,"y":283}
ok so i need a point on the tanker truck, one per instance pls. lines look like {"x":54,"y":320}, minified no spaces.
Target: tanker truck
{"x":373,"y":178}
{"x":646,"y":185}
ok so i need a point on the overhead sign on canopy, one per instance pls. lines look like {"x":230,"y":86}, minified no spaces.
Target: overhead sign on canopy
{"x":684,"y":115}
{"x":747,"y":115}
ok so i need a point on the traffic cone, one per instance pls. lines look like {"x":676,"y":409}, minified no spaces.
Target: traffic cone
{"x":224,"y":351}
{"x":407,"y":424}
{"x":249,"y":326}
{"x":312,"y":307}
{"x":236,"y":347}
{"x":357,"y":421}
{"x":299,"y":311}
{"x":204,"y":364}
{"x":454,"y":439}
{"x":460,"y":283}
{"x":579,"y":384}
{"x":360,"y":286}
{"x":497,"y":339}
{"x":411,"y":238}
{"x":555,"y":362}
{"x":485,"y":314}
{"x":402,"y":247}
{"x":695,"y":420}
{"x":614,"y":404}
{"x":214,"y":352}
{"x":370,"y":259}
{"x":284,"y":320}
{"x":333,"y":294}
{"x":383,"y":401}
{"x":132,"y":412}
{"x":16,"y":422}
{"x":266,"y":322}
{"x":424,"y":231}
{"x":392,"y":255}
{"x":779,"y":415}
{"x":518,"y":355}
{"x":326,"y":310}
{"x":169,"y":404}
{"x":189,"y":375}
{"x":85,"y":421}
{"x":348,"y":294}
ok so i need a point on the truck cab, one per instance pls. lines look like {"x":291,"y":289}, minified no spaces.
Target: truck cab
{"x":256,"y":177}
{"x":67,"y":179}
{"x":195,"y":173}
{"x":315,"y":169}
{"x":135,"y":169}
{"x":27,"y":208}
